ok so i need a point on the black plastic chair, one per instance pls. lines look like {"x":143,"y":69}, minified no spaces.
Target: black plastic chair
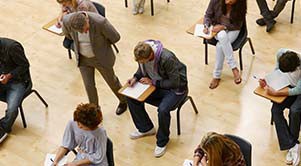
{"x":151,"y":2}
{"x":29,"y":91}
{"x":68,"y":43}
{"x":178,"y":106}
{"x":245,"y":147}
{"x":238,"y":44}
{"x":109,"y":153}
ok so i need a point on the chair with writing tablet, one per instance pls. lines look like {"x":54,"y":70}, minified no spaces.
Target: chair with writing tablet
{"x":293,"y":10}
{"x":238,"y":44}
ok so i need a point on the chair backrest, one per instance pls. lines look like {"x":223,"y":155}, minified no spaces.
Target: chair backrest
{"x":110,"y":155}
{"x":100,"y":8}
{"x":245,"y":147}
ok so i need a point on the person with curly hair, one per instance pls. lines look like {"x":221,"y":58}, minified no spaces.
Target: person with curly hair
{"x":85,"y":133}
{"x":217,"y":149}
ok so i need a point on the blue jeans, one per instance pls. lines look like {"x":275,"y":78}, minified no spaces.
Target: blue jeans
{"x":287,"y":134}
{"x":165,"y":100}
{"x":12,"y":94}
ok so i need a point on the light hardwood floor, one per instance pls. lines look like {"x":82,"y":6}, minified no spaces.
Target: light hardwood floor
{"x":230,"y":108}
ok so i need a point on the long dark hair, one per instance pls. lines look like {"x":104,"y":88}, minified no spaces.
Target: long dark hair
{"x":238,"y":12}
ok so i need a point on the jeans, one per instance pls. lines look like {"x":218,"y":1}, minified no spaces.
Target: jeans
{"x":224,"y":49}
{"x":265,"y":11}
{"x":165,"y":100}
{"x":287,"y":134}
{"x":12,"y":94}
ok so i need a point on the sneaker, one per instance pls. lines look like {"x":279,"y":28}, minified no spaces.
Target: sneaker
{"x":3,"y":135}
{"x":141,"y":10}
{"x":159,"y":151}
{"x":289,"y":158}
{"x":137,"y":134}
{"x":295,"y":152}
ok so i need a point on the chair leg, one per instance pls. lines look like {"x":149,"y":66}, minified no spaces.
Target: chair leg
{"x":251,"y":45}
{"x":116,"y":49}
{"x":40,"y":97}
{"x":178,"y":121}
{"x":193,"y":105}
{"x":69,"y":53}
{"x":240,"y":59}
{"x":167,"y":1}
{"x":272,"y":119}
{"x":22,"y":116}
{"x":206,"y":52}
{"x":126,"y":3}
{"x":293,"y":11}
{"x":152,"y":7}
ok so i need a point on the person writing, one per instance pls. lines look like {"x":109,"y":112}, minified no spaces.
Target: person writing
{"x":218,"y":150}
{"x":288,"y":61}
{"x":161,"y":68}
{"x":84,"y":132}
{"x":226,"y":17}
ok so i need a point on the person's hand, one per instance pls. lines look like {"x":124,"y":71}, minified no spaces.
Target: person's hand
{"x":218,"y":28}
{"x":262,"y":83}
{"x":70,"y":164}
{"x":131,"y":81}
{"x":58,"y":25}
{"x":5,"y":78}
{"x":271,"y":91}
{"x":206,"y":30}
{"x":145,"y":80}
{"x":196,"y":160}
{"x":204,"y":161}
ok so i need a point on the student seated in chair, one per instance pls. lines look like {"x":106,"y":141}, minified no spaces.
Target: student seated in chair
{"x":269,"y":15}
{"x":288,"y":62}
{"x":218,"y":150}
{"x":226,"y":17}
{"x":85,"y":133}
{"x":93,"y":36}
{"x":159,"y":67}
{"x":14,"y":68}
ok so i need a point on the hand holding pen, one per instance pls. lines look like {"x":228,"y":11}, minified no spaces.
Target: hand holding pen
{"x":262,"y":82}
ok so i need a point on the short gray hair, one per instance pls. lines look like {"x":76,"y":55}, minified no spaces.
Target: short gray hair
{"x":78,"y":21}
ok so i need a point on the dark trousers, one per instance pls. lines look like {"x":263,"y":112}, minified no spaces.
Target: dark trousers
{"x":165,"y":100}
{"x":287,"y":134}
{"x":12,"y":94}
{"x":266,"y":12}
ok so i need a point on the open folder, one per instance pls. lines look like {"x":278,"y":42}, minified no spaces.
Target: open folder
{"x":138,"y":91}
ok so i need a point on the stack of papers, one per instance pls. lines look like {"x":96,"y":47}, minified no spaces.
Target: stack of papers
{"x":136,"y":90}
{"x":50,"y":158}
{"x":277,"y":80}
{"x":199,"y":31}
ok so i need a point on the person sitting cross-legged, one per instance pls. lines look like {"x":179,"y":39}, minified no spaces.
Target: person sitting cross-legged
{"x":159,"y":67}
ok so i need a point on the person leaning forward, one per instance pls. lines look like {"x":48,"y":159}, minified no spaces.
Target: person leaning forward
{"x":93,"y":36}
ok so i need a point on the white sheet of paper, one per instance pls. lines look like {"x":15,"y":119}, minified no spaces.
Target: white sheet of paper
{"x":49,"y":156}
{"x":277,"y":80}
{"x":136,"y":90}
{"x":199,"y":31}
{"x":189,"y":163}
{"x":53,"y":28}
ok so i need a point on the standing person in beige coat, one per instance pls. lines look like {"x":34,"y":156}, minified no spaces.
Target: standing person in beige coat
{"x":93,"y":36}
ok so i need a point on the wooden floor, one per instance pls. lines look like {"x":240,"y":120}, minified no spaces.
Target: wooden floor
{"x":230,"y":108}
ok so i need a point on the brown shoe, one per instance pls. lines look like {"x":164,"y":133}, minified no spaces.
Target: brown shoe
{"x":237,"y":77}
{"x":214,"y":83}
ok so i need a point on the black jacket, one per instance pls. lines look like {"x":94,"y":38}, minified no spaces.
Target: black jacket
{"x":13,"y":60}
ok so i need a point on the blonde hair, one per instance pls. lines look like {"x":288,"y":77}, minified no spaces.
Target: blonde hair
{"x":73,"y":2}
{"x":142,"y":51}
{"x":219,"y":148}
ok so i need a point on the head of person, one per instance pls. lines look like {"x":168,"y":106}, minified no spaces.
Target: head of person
{"x":79,"y":22}
{"x":289,"y":61}
{"x":238,"y":9}
{"x":87,"y":116}
{"x":143,"y":53}
{"x":218,"y":148}
{"x":68,"y":3}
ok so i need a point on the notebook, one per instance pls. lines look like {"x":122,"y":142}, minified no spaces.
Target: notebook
{"x":199,"y":31}
{"x":50,"y":157}
{"x":138,"y":91}
{"x":277,"y":80}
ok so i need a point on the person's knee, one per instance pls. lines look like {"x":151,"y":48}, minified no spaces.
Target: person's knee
{"x":222,"y":36}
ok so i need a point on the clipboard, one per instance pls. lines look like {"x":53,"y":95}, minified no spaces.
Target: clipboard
{"x":48,"y":26}
{"x":262,"y":92}
{"x":192,"y":28}
{"x":142,"y":96}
